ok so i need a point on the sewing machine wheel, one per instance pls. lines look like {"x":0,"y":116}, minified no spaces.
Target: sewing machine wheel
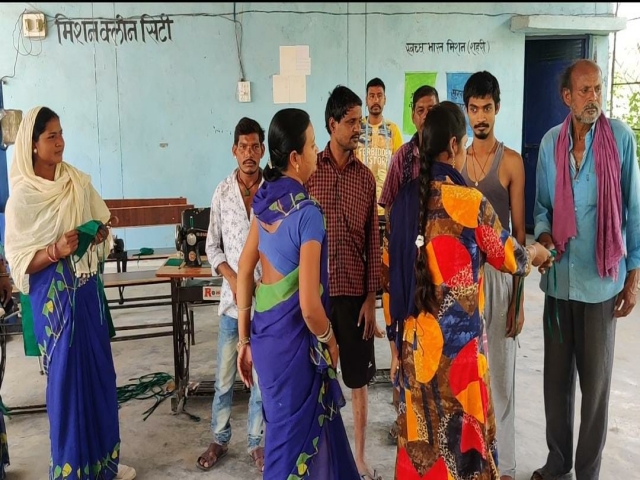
{"x":178,"y":238}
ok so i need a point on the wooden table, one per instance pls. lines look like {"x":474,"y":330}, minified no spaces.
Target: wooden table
{"x":188,"y":286}
{"x":137,"y":278}
{"x":124,"y":257}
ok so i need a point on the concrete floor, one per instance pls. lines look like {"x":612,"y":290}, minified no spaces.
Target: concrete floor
{"x":166,"y":446}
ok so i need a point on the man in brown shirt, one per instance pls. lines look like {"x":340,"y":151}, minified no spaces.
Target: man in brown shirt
{"x":346,"y":190}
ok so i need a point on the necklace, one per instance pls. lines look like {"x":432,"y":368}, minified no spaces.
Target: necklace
{"x":473,"y":152}
{"x":247,"y":190}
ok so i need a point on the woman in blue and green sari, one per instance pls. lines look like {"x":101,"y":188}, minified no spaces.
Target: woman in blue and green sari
{"x":291,"y":340}
{"x":55,"y":235}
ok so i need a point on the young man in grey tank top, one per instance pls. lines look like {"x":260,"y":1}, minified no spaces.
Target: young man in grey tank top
{"x":498,"y":172}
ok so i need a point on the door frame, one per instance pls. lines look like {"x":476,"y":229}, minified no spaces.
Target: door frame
{"x":588,"y":54}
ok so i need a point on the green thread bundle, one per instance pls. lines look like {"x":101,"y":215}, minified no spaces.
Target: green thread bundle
{"x":153,"y":385}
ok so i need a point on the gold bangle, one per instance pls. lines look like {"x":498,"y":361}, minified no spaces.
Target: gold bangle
{"x":242,"y":343}
{"x":244,"y":309}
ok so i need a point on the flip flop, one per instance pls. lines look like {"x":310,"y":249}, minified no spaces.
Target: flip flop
{"x":125,"y":473}
{"x":392,"y":434}
{"x":257,"y":454}
{"x":366,"y":476}
{"x":212,"y":455}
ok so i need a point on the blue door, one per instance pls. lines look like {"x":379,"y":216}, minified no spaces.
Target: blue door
{"x":545,"y":59}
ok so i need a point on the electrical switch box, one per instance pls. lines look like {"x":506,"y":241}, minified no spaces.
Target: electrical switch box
{"x":34,"y":25}
{"x":244,"y":92}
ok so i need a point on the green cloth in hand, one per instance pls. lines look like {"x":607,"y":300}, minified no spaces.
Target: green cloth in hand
{"x":86,"y":234}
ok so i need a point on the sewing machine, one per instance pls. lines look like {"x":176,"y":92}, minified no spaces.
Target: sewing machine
{"x":191,"y":235}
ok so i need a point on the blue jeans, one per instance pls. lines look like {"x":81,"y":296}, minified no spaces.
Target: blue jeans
{"x":227,"y":369}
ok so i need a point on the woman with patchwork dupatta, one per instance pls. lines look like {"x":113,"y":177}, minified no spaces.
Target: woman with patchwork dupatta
{"x":55,"y":228}
{"x":442,"y":233}
{"x":291,"y":340}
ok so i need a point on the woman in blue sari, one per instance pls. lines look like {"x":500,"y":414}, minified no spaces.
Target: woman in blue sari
{"x":55,"y":234}
{"x":291,"y":340}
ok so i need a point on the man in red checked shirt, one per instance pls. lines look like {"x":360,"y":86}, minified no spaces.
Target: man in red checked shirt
{"x":346,"y":190}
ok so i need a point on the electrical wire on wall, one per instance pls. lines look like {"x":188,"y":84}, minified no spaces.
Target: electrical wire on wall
{"x":238,"y":31}
{"x":613,"y":65}
{"x":22,"y":45}
{"x":233,"y":16}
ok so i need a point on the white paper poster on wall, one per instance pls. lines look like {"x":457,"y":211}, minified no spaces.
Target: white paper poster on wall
{"x":289,"y":89}
{"x":290,"y":85}
{"x":303,"y":60}
{"x":295,"y":60}
{"x":280,"y":89}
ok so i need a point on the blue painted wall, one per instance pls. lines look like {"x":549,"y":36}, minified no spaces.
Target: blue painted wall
{"x":156,"y":119}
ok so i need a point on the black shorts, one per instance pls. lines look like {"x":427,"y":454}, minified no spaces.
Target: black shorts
{"x":357,"y":356}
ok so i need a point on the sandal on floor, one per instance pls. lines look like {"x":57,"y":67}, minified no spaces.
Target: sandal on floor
{"x":366,"y":476}
{"x":213,"y":454}
{"x":125,"y":473}
{"x":393,"y":433}
{"x":257,"y":454}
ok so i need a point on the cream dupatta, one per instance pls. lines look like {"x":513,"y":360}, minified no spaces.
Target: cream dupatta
{"x":40,"y":211}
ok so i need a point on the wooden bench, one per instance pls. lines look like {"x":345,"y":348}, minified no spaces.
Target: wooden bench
{"x":147,"y":212}
{"x":142,"y":212}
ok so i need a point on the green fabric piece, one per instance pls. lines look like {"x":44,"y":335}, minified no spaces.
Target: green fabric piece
{"x":268,"y":296}
{"x":173,"y":262}
{"x":146,"y":251}
{"x":86,"y":234}
{"x":105,"y":307}
{"x":4,"y":409}
{"x":28,"y":336}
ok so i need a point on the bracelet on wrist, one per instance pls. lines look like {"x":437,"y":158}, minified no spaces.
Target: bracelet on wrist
{"x":326,"y":336}
{"x":49,"y":255}
{"x":243,"y":342}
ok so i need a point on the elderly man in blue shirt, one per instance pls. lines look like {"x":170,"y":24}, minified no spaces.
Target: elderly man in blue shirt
{"x":587,"y":209}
